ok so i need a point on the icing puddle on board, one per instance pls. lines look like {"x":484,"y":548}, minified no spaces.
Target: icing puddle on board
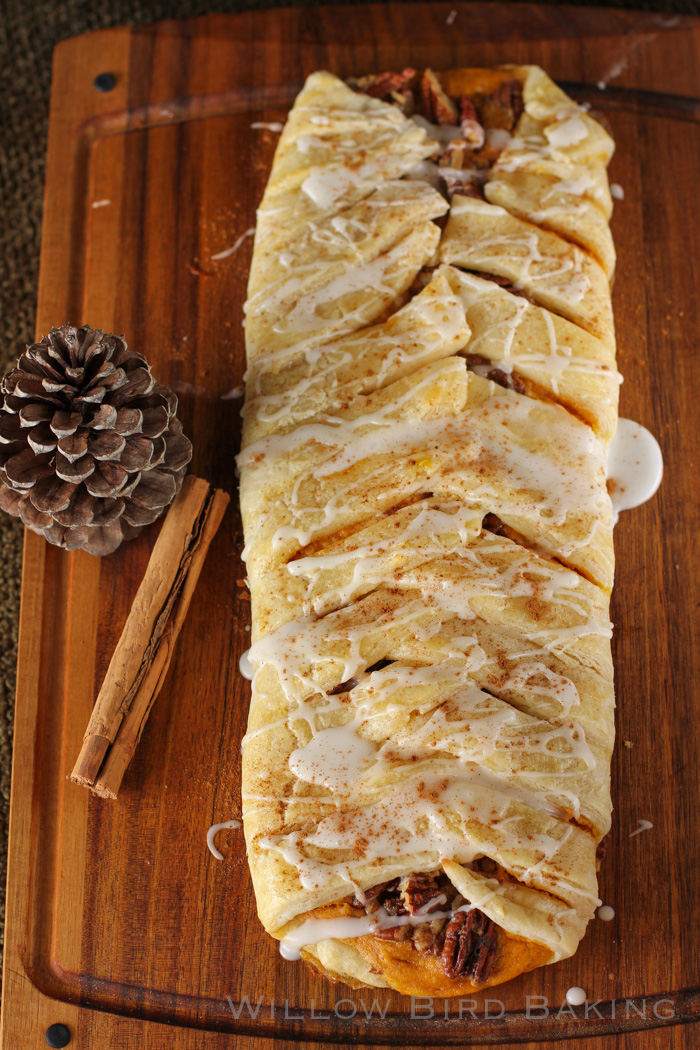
{"x":634,"y":466}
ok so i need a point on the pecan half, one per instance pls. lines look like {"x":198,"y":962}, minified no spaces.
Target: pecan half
{"x":510,"y":381}
{"x":454,"y":952}
{"x":470,"y":124}
{"x":394,"y":933}
{"x":437,"y":106}
{"x":423,"y":938}
{"x":421,"y":893}
{"x":485,"y":865}
{"x":510,"y":97}
{"x":373,"y":893}
{"x":495,"y":525}
{"x":470,"y":946}
{"x":384,"y":85}
{"x":503,"y":107}
{"x":459,"y":188}
{"x":486,"y":954}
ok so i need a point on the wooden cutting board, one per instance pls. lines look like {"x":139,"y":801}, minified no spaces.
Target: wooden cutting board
{"x":120,"y":923}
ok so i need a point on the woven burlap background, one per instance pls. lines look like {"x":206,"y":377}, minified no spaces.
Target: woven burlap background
{"x":29,"y":30}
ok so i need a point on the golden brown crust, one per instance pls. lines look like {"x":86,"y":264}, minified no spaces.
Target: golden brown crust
{"x":398,"y":588}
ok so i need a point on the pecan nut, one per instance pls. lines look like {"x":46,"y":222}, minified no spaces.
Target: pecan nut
{"x":437,"y":106}
{"x":472,"y":130}
{"x":470,"y":946}
{"x":373,"y":893}
{"x":503,"y":282}
{"x":503,"y":107}
{"x":423,"y":938}
{"x":394,"y":933}
{"x":510,"y":97}
{"x":421,"y":893}
{"x":384,"y":85}
{"x":459,"y":188}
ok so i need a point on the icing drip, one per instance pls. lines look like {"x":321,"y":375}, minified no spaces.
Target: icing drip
{"x":634,"y":466}
{"x":245,"y":666}
{"x":213,"y":832}
{"x":227,"y":252}
{"x":644,"y":825}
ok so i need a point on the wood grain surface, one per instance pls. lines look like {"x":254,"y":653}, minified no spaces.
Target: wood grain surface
{"x":120,"y":923}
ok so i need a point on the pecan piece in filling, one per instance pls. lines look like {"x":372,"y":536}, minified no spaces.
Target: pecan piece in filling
{"x":421,"y":893}
{"x":437,"y":106}
{"x":466,"y":942}
{"x":469,"y":948}
{"x":390,"y":87}
{"x":495,"y":525}
{"x":481,"y":366}
{"x":503,"y":282}
{"x":472,"y":131}
{"x":503,"y":107}
{"x":383,"y":85}
{"x":459,"y":188}
{"x":394,"y":933}
{"x":372,"y":895}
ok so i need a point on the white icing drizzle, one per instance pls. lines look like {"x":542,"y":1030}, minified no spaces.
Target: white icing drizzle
{"x":605,"y":912}
{"x":558,"y":361}
{"x":617,"y":191}
{"x":566,"y":133}
{"x":418,"y":763}
{"x":634,"y":466}
{"x":336,"y":173}
{"x":561,"y":274}
{"x":227,"y":252}
{"x":442,"y":133}
{"x":245,"y":666}
{"x":576,"y":996}
{"x":314,"y":930}
{"x":213,"y":832}
{"x":431,"y":325}
{"x":357,"y":263}
{"x":342,"y":757}
{"x":260,"y":125}
{"x":425,"y":817}
{"x":494,"y":426}
{"x":324,"y":186}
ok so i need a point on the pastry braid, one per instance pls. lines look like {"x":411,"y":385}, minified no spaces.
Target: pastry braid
{"x":431,"y":385}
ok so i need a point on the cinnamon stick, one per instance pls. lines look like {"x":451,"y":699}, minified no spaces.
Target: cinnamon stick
{"x":141,"y":659}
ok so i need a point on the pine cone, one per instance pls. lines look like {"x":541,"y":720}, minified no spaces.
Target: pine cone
{"x":90,"y":446}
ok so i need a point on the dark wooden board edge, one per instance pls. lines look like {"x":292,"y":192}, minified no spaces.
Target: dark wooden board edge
{"x":33,"y":1010}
